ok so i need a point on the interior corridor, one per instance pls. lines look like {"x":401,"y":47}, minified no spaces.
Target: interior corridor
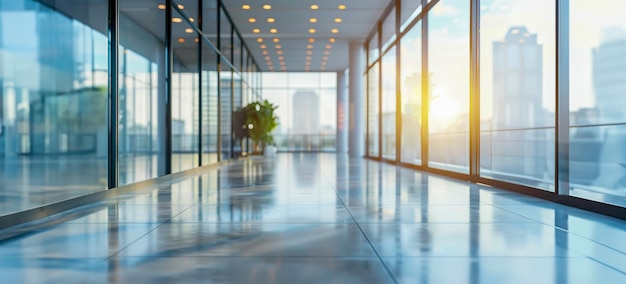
{"x":318,"y":218}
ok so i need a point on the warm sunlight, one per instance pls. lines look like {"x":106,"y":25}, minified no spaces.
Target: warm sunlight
{"x":443,"y":109}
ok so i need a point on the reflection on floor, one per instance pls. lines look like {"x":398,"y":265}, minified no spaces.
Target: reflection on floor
{"x":28,"y":182}
{"x":307,"y":218}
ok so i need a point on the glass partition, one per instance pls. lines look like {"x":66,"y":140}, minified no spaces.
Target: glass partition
{"x":517,"y":92}
{"x":449,"y":86}
{"x":53,"y":96}
{"x":411,"y":90}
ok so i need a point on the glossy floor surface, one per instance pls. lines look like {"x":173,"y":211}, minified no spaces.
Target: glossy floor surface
{"x":309,"y":218}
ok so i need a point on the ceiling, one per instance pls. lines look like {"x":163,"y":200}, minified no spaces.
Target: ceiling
{"x":293,"y":21}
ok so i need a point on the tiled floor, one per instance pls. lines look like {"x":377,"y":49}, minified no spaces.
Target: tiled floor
{"x":306,"y":218}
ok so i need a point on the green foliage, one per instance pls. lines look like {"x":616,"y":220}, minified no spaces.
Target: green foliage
{"x":261,"y":120}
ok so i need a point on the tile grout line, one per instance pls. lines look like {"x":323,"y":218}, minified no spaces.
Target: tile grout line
{"x":150,"y":231}
{"x":393,"y":278}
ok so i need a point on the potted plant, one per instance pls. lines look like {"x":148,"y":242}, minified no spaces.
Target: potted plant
{"x":260,"y":121}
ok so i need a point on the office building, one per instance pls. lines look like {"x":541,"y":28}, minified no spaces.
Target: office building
{"x":446,"y":154}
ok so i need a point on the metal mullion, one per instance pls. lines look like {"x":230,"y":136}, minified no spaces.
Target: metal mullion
{"x":474,"y":147}
{"x":561,"y":173}
{"x":219,"y":82}
{"x":425,"y":90}
{"x":232,"y":89}
{"x":113,"y":94}
{"x":380,"y":92}
{"x":199,"y":17}
{"x":398,"y":81}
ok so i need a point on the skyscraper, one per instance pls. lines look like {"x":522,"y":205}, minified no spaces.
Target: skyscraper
{"x":517,"y":80}
{"x":517,"y":106}
{"x":609,"y":71}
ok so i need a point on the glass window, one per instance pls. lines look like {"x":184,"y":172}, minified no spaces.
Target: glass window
{"x":597,"y":71}
{"x":389,"y":29}
{"x":209,"y":105}
{"x":53,"y":96}
{"x":141,"y":63}
{"x":411,"y":89}
{"x":373,"y":50}
{"x":388,"y":104}
{"x":517,"y":92}
{"x":226,"y":37}
{"x":185,"y":94}
{"x":307,"y":110}
{"x":225,"y":112}
{"x":410,"y":10}
{"x":373,"y":111}
{"x":449,"y":85}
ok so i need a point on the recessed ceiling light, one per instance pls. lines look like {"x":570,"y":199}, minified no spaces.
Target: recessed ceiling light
{"x":271,"y":20}
{"x":181,"y":40}
{"x":267,"y":58}
{"x":309,"y":52}
{"x":256,"y":31}
{"x":196,"y":39}
{"x":273,"y":31}
{"x":281,"y":58}
{"x":282,"y":63}
{"x":278,"y":46}
{"x":323,"y":63}
{"x":308,"y":58}
{"x":252,"y":20}
{"x":259,"y":40}
{"x":189,"y":30}
{"x":161,"y":6}
{"x":276,"y":40}
{"x":265,"y":52}
{"x":308,"y":63}
{"x":331,"y":39}
{"x":280,"y":52}
{"x":309,"y":46}
{"x":311,"y":40}
{"x":177,"y":20}
{"x":334,"y":31}
{"x":191,"y":20}
{"x":338,"y":20}
{"x":263,"y":46}
{"x":325,"y":58}
{"x":314,"y":7}
{"x":181,"y":7}
{"x":311,"y":31}
{"x":313,"y":20}
{"x":341,"y":7}
{"x":267,"y":6}
{"x":245,"y":7}
{"x":327,"y":52}
{"x":328,"y":46}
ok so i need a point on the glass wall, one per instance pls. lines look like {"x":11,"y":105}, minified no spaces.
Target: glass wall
{"x":55,"y":105}
{"x":141,"y":64}
{"x":388,"y":104}
{"x":517,"y":92}
{"x":185,"y":95}
{"x":53,"y":96}
{"x":448,"y":71}
{"x":373,"y":111}
{"x":411,"y":96}
{"x":498,"y":77}
{"x":307,"y":109}
{"x":597,"y":116}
